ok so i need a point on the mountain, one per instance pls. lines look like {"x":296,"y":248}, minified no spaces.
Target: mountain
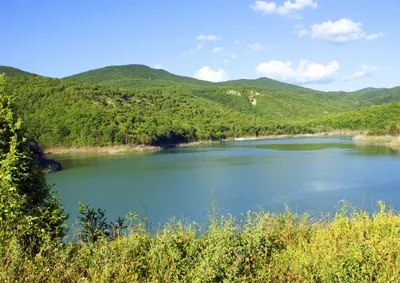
{"x":138,"y":104}
{"x":271,"y":99}
{"x":268,"y":98}
{"x":374,"y":117}
{"x":370,"y":89}
{"x":379,"y":96}
{"x":268,"y":85}
{"x":12,"y":72}
{"x":287,"y":101}
{"x":59,"y":112}
{"x":131,"y":76}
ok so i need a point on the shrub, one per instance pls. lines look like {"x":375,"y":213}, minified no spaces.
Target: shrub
{"x":377,"y":132}
{"x":30,"y":215}
{"x":394,"y":130}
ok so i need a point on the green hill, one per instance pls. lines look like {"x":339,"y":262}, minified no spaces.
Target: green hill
{"x":128,"y":76}
{"x":378,"y":97}
{"x":12,"y":72}
{"x":268,"y":84}
{"x":281,"y":105}
{"x":275,"y":100}
{"x":132,"y":76}
{"x":64,"y":112}
{"x":375,"y":117}
{"x":138,"y":104}
{"x":370,"y":89}
{"x":268,"y":98}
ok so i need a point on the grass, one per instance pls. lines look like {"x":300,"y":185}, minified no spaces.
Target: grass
{"x":352,"y":246}
{"x":385,"y":140}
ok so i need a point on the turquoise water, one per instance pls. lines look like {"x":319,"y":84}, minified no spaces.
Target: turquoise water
{"x":311,"y":174}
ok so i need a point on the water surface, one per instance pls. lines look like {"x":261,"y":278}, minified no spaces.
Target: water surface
{"x":311,"y":174}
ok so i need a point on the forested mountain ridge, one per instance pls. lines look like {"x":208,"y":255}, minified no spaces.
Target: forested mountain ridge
{"x":131,"y":76}
{"x":371,"y":89}
{"x":63,"y":112}
{"x":126,"y":76}
{"x":11,"y":71}
{"x":165,"y":108}
{"x":375,"y":117}
{"x":269,"y":98}
{"x":268,"y":84}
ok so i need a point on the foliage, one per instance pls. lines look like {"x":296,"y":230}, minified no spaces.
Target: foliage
{"x":132,"y":76}
{"x":12,"y":72}
{"x":352,"y":246}
{"x":377,"y":132}
{"x":268,"y":85}
{"x":154,"y":107}
{"x":273,"y":100}
{"x":67,"y":113}
{"x":375,"y":117}
{"x":394,"y":130}
{"x":29,"y":213}
{"x":94,"y":225}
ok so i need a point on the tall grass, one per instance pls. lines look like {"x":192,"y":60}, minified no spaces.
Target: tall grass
{"x":351,"y":246}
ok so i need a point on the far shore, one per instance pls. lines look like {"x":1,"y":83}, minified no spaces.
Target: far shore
{"x":387,"y":140}
{"x":114,"y":149}
{"x":321,"y":134}
{"x":101,"y":149}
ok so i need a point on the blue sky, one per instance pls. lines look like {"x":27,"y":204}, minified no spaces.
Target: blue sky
{"x":322,"y":44}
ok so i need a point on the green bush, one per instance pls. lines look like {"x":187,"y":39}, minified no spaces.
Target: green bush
{"x":30,"y":216}
{"x":352,"y":246}
{"x":377,"y":132}
{"x":394,"y":130}
{"x":93,"y":225}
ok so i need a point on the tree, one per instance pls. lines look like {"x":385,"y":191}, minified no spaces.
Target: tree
{"x":94,"y":225}
{"x":29,"y":213}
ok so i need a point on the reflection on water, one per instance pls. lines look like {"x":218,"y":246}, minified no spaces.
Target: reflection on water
{"x":306,"y":146}
{"x":306,"y":173}
{"x":358,"y":148}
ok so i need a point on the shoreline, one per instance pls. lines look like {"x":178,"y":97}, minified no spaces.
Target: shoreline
{"x":385,"y":141}
{"x":110,"y":149}
{"x":115,"y":149}
{"x":321,"y":134}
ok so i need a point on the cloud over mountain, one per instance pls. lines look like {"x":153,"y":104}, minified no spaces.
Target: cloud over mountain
{"x":305,"y":73}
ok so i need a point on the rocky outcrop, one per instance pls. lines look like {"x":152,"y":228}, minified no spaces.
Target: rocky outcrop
{"x":49,"y":165}
{"x":45,"y":164}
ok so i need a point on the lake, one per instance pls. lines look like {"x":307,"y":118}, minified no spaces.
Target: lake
{"x":309,"y":174}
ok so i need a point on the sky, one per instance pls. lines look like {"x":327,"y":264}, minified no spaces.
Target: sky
{"x":327,"y":45}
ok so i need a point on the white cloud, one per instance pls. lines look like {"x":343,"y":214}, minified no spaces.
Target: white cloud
{"x":158,"y":66}
{"x":210,"y":37}
{"x":255,"y":46}
{"x":217,"y":49}
{"x":265,"y":7}
{"x":342,"y":30}
{"x":288,"y":7}
{"x":364,"y":71}
{"x":208,"y":74}
{"x":305,"y":73}
{"x":192,"y":51}
{"x":231,"y":57}
{"x":373,"y":36}
{"x":237,"y":41}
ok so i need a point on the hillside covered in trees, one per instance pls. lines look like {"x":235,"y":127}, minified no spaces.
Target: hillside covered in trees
{"x":135,"y":104}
